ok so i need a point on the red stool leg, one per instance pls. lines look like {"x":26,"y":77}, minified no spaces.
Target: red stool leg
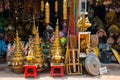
{"x":35,"y":72}
{"x":51,"y":71}
{"x":25,"y":72}
{"x":61,"y":72}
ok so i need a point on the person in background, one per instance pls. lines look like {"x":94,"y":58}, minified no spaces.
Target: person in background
{"x":3,"y":47}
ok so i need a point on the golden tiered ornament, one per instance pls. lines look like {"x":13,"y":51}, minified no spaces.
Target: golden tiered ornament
{"x":17,"y":58}
{"x":56,"y":50}
{"x":38,"y":52}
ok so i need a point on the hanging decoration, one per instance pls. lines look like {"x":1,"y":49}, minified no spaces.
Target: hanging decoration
{"x":65,"y":9}
{"x":42,"y":5}
{"x":56,"y":6}
{"x":47,"y":12}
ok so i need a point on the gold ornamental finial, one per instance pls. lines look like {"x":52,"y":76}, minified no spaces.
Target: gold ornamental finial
{"x":17,"y":42}
{"x":57,"y":30}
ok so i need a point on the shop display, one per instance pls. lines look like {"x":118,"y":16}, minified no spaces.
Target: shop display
{"x":54,"y":34}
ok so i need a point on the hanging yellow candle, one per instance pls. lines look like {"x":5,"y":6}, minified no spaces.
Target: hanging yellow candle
{"x":42,"y":5}
{"x":47,"y":12}
{"x":65,"y":9}
{"x":56,"y":6}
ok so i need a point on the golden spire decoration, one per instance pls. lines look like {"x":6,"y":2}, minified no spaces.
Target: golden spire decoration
{"x":17,"y":58}
{"x":42,"y":5}
{"x":47,"y":12}
{"x":64,"y":9}
{"x":56,"y":50}
{"x":34,"y":27}
{"x":17,"y":41}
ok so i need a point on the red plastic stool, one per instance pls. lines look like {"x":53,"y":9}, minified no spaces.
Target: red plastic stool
{"x":30,"y":67}
{"x":61,"y":71}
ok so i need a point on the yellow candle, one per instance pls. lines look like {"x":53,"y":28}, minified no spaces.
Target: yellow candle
{"x":47,"y":12}
{"x":42,"y":5}
{"x":56,"y":6}
{"x":65,"y":9}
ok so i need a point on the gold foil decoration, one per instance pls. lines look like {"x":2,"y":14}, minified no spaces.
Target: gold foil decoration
{"x":47,"y":12}
{"x":65,"y":9}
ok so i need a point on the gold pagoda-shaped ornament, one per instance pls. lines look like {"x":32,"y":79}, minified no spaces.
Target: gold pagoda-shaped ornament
{"x":38,"y":52}
{"x":56,"y":49}
{"x":17,"y":58}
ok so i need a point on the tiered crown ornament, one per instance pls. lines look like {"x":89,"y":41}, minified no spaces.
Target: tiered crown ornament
{"x":17,"y":58}
{"x":38,"y":52}
{"x":56,"y":50}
